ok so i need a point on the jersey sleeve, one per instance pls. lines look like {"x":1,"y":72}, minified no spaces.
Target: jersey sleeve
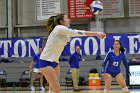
{"x":71,"y":59}
{"x":34,"y":58}
{"x":125,"y":63}
{"x":104,"y":62}
{"x":81,"y":57}
{"x":72,"y":32}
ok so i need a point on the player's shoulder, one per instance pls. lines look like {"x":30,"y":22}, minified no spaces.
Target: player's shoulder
{"x":122,"y":53}
{"x":110,"y":52}
{"x":60,"y":26}
{"x":35,"y":55}
{"x":38,"y":54}
{"x":73,"y":54}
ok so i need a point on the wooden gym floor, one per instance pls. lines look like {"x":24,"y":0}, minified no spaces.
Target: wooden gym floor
{"x":84,"y":89}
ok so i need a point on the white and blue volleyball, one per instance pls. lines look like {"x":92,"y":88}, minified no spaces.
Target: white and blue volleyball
{"x":96,"y":7}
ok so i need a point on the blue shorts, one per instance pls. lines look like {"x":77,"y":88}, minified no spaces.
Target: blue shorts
{"x":112,"y":73}
{"x":44,"y":63}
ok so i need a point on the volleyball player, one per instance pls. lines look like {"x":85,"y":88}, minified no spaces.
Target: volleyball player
{"x":60,"y":33}
{"x":36,"y":71}
{"x":114,"y":58}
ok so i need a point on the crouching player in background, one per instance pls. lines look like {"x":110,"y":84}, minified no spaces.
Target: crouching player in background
{"x":113,"y":69}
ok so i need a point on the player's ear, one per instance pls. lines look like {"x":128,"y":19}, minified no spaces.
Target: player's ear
{"x":61,"y":22}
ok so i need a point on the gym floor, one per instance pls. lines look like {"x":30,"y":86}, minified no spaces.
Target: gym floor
{"x":84,"y":89}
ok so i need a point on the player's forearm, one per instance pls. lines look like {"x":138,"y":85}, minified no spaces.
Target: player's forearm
{"x":126,"y":67}
{"x":31,"y":65}
{"x":98,"y":34}
{"x":103,"y":67}
{"x":89,"y":33}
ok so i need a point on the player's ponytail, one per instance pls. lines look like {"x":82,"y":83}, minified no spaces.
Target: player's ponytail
{"x":53,"y":21}
{"x":121,"y":48}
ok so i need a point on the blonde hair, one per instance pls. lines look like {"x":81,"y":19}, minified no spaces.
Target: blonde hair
{"x":54,"y":21}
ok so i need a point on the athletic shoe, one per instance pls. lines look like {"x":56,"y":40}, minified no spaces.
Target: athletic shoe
{"x":32,"y":88}
{"x":76,"y":90}
{"x":42,"y":88}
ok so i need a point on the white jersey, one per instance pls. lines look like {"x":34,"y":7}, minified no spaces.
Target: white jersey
{"x":57,"y":39}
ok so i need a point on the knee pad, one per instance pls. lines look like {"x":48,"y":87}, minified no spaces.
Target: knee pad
{"x":125,"y":89}
{"x":106,"y":91}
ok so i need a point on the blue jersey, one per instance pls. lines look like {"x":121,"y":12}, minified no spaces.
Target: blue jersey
{"x":36,"y":60}
{"x":74,"y":60}
{"x":114,"y":63}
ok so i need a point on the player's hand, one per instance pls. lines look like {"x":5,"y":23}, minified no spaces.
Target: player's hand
{"x":101,"y":35}
{"x":129,"y":75}
{"x":30,"y":70}
{"x":104,"y":75}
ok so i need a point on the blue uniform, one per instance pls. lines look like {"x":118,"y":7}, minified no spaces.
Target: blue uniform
{"x":44,"y":63}
{"x":36,"y":60}
{"x":113,"y":67}
{"x":74,"y":60}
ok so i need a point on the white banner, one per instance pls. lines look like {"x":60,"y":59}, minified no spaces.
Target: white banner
{"x":112,"y":9}
{"x":47,"y":8}
{"x":134,"y":8}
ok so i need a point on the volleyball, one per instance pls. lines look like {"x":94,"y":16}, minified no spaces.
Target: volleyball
{"x":96,"y":7}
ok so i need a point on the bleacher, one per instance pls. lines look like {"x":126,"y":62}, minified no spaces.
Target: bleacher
{"x":15,"y":68}
{"x":85,"y":67}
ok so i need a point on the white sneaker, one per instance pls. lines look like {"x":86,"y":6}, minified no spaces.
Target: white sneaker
{"x":32,"y":88}
{"x":42,"y":88}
